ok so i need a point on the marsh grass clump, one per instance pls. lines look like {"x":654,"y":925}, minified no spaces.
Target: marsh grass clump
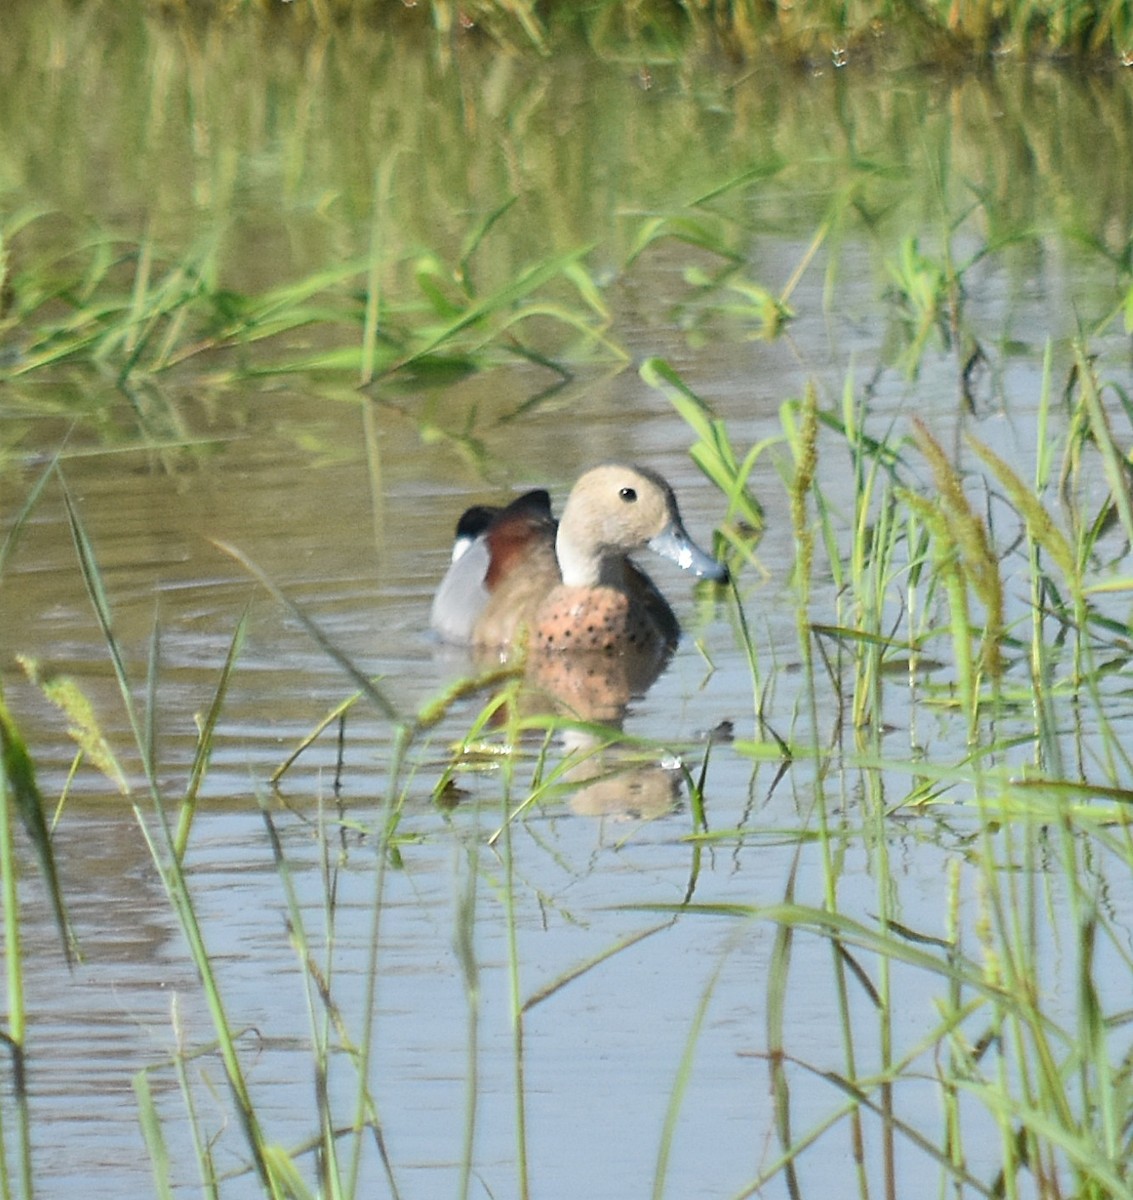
{"x":139,"y":312}
{"x":1052,"y":1077}
{"x":334,"y":243}
{"x":965,"y":535}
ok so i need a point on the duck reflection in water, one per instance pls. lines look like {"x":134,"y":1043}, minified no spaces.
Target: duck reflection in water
{"x":595,"y":628}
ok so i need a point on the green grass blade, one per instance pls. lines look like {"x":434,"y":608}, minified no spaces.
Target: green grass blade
{"x":12,"y":537}
{"x":19,"y":775}
{"x":16,"y":1015}
{"x":154,"y":1136}
{"x":317,"y":978}
{"x":713,"y":452}
{"x":684,"y":1077}
{"x":92,"y":578}
{"x":205,"y":739}
{"x":1113,"y":462}
{"x":550,"y":989}
{"x":169,"y":865}
{"x":364,"y":684}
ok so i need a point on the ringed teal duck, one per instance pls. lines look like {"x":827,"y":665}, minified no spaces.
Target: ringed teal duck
{"x":569,"y":586}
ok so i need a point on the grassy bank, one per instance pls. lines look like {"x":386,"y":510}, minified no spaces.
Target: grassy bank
{"x":935,"y":31}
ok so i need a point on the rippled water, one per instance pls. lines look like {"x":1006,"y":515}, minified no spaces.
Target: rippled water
{"x":351,"y":515}
{"x":601,"y":1055}
{"x":311,"y":526}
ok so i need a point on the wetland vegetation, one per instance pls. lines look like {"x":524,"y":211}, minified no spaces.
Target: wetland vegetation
{"x":850,"y":892}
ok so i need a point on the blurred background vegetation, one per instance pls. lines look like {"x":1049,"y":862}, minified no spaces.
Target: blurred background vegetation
{"x":740,"y":28}
{"x":178,"y":177}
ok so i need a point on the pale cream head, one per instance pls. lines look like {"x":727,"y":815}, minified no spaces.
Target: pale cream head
{"x":614,"y":510}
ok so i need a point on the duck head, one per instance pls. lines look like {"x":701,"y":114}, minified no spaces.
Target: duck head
{"x":615,"y":510}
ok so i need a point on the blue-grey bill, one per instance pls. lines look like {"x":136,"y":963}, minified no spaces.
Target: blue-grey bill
{"x":673,"y":543}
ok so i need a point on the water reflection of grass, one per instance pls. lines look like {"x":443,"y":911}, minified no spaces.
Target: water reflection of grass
{"x":322,"y":236}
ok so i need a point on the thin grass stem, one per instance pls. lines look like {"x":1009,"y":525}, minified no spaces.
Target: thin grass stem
{"x":16,"y":1011}
{"x":515,"y":1000}
{"x":683,"y":1078}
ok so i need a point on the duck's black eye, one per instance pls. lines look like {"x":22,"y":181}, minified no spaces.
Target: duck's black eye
{"x":628,"y":495}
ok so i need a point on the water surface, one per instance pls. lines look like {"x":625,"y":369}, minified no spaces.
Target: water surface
{"x":347,"y":499}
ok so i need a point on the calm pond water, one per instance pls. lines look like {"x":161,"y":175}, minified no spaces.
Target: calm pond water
{"x":347,"y":501}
